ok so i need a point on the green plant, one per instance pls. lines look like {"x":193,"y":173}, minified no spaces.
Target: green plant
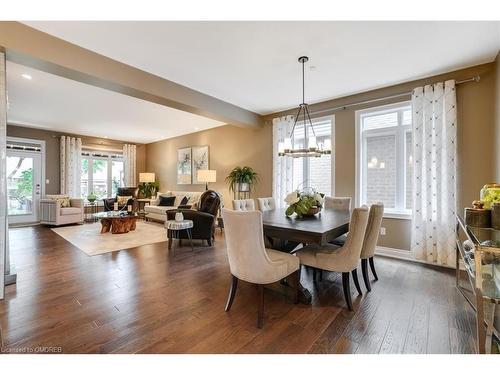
{"x":300,"y":202}
{"x":148,"y":189}
{"x":241,"y":175}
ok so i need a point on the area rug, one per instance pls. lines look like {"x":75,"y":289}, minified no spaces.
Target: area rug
{"x":88,"y":237}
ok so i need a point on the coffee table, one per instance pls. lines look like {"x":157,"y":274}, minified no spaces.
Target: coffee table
{"x":117,"y":222}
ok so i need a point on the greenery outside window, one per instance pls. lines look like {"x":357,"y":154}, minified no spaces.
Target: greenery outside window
{"x":101,"y":174}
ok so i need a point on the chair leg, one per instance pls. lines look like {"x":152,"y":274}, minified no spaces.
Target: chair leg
{"x":320,"y":275}
{"x":232,"y":293}
{"x":314,"y":274}
{"x":347,"y":289}
{"x":356,"y":281}
{"x":364,"y":270}
{"x":372,"y":266}
{"x":296,"y":286}
{"x":260,"y":314}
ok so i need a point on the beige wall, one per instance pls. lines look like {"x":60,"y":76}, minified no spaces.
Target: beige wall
{"x":229,"y":146}
{"x":52,"y":151}
{"x":497,"y":118}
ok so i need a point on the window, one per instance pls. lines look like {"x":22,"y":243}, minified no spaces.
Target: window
{"x":313,"y":173}
{"x":101,"y":174}
{"x":384,"y":160}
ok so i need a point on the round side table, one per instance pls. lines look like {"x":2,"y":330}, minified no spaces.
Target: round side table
{"x":174,"y":229}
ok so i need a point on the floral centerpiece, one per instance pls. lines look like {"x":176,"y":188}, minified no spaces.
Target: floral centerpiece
{"x":304,"y":203}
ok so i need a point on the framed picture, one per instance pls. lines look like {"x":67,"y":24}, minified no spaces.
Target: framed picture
{"x":200,"y":161}
{"x":184,"y":166}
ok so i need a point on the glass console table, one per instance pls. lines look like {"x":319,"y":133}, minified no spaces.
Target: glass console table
{"x":479,"y":249}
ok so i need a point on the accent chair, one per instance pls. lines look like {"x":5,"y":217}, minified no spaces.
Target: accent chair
{"x":51,"y":212}
{"x":243,"y":205}
{"x":128,"y":191}
{"x":266,"y":204}
{"x":370,"y":241}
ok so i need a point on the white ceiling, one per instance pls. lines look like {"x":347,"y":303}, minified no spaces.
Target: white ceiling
{"x":254,"y":64}
{"x":55,"y":103}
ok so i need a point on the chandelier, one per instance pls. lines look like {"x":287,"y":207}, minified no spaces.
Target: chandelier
{"x":311,"y":147}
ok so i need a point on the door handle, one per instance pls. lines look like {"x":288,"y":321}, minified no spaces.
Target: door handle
{"x":37,"y":190}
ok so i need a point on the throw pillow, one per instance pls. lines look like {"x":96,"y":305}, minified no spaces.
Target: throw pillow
{"x":63,"y":201}
{"x":184,"y":201}
{"x":166,"y":201}
{"x":122,"y":199}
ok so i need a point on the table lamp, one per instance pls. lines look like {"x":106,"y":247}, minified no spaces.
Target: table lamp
{"x":206,"y":176}
{"x":147,"y":178}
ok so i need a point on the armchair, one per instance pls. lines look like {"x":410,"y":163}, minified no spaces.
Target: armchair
{"x":52,"y":213}
{"x":122,"y":191}
{"x":204,"y":217}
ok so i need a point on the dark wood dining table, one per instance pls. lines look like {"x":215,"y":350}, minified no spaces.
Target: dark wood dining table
{"x":286,"y":233}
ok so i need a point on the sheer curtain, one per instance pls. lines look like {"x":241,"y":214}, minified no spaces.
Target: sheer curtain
{"x":435,"y":168}
{"x":282,"y":166}
{"x":71,"y":164}
{"x":129,"y":164}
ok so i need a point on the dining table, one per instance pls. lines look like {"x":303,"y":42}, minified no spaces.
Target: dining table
{"x":288,"y":233}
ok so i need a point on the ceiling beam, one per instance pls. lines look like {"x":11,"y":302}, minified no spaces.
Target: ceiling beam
{"x":30,"y":47}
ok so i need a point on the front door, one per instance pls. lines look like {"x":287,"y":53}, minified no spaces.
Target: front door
{"x":24,"y":184}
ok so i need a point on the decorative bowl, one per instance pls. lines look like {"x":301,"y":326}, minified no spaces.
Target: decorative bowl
{"x":313,"y":211}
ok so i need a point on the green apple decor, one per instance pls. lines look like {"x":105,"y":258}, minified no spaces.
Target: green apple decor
{"x":91,"y":197}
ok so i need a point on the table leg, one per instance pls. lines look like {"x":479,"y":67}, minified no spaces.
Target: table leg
{"x":106,"y":225}
{"x":190,"y":238}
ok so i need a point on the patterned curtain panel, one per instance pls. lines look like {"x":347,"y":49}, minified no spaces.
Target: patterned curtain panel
{"x":71,"y":164}
{"x":282,"y":166}
{"x":129,"y":161}
{"x":435,"y":170}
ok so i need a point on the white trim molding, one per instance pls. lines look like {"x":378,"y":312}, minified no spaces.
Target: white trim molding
{"x":401,"y":254}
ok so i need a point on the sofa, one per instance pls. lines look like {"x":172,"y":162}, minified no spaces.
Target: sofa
{"x":203,"y":217}
{"x":159,"y":213}
{"x":51,"y":212}
{"x":129,"y":191}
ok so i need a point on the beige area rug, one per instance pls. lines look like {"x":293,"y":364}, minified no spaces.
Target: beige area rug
{"x":88,"y":237}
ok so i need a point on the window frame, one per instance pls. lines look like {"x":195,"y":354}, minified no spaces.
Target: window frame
{"x":306,"y":166}
{"x":400,"y":131}
{"x":109,"y":157}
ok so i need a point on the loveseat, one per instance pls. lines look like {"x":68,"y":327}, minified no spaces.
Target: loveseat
{"x":159,"y":213}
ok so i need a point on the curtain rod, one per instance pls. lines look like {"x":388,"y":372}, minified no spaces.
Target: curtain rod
{"x":356,"y":104}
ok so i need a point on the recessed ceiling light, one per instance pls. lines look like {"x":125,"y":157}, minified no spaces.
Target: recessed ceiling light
{"x":26,"y":76}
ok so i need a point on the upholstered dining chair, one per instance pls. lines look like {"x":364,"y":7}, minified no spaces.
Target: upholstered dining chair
{"x":370,"y":241}
{"x":243,"y":205}
{"x":343,"y":259}
{"x":338,"y":203}
{"x":250,"y":261}
{"x":266,"y":204}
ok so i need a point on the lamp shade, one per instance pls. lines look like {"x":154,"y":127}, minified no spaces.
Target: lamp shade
{"x":146,"y":177}
{"x":207,"y":175}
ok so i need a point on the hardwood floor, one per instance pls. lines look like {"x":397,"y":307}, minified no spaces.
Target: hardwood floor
{"x":147,"y":300}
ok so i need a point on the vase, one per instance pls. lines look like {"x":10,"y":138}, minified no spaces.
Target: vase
{"x":243,"y":187}
{"x":179,"y":216}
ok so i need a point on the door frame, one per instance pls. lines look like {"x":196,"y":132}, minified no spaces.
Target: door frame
{"x":41,"y":144}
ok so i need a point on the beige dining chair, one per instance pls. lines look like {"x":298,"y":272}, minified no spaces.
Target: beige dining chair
{"x":250,"y":261}
{"x":370,"y":241}
{"x":338,"y":203}
{"x":243,"y":205}
{"x":266,"y":204}
{"x":343,"y":259}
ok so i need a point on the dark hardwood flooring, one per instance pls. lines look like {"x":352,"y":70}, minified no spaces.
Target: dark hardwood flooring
{"x":147,"y":300}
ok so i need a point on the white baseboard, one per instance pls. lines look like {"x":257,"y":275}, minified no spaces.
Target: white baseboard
{"x":404,"y":255}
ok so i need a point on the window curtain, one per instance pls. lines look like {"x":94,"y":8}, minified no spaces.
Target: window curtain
{"x":282,"y":166}
{"x":129,"y":164}
{"x":71,"y":164}
{"x":435,"y":168}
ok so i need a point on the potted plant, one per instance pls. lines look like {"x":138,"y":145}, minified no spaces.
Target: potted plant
{"x":91,"y":197}
{"x":241,"y":179}
{"x":149,"y":189}
{"x":304,"y":203}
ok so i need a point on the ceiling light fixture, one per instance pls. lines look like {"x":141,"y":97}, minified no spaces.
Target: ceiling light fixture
{"x":26,"y":76}
{"x":285,"y":147}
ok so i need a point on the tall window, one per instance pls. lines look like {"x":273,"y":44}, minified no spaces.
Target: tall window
{"x":385,"y":157}
{"x":313,"y":173}
{"x":101,"y":174}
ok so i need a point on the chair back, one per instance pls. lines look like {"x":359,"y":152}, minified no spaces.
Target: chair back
{"x":266,"y":204}
{"x":128,"y":191}
{"x":351,"y":250}
{"x":244,"y":205}
{"x":372,"y":230}
{"x":338,"y":203}
{"x":246,"y":251}
{"x":209,"y":202}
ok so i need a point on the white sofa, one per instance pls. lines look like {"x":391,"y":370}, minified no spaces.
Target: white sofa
{"x":159,"y":213}
{"x":51,"y":213}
